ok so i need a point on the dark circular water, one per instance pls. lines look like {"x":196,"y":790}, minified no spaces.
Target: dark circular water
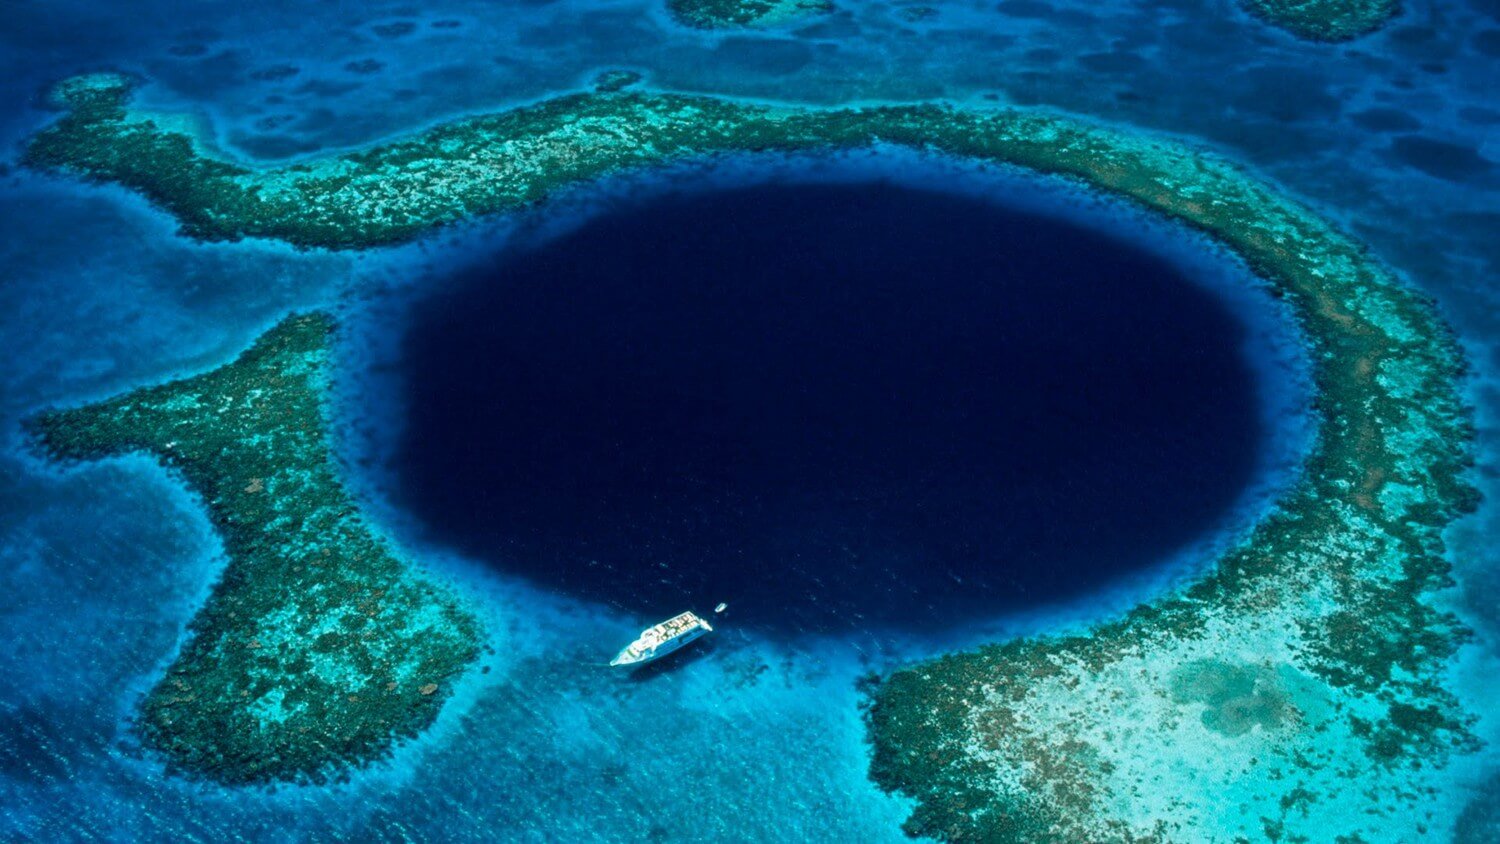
{"x":832,"y":406}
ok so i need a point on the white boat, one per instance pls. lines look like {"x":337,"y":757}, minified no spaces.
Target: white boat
{"x":659,"y":640}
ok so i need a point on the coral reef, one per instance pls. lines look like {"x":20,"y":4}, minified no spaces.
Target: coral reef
{"x":1296,"y":691}
{"x":318,"y":646}
{"x":1325,"y":20}
{"x":615,"y":80}
{"x":721,"y":14}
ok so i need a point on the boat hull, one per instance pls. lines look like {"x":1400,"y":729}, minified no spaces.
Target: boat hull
{"x":640,"y":653}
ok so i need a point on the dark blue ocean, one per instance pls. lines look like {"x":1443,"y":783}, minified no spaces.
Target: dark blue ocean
{"x":834,"y":407}
{"x":883,"y":405}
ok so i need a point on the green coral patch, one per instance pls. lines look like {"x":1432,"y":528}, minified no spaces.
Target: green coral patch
{"x":1295,"y":692}
{"x":1236,"y":698}
{"x":1325,"y":20}
{"x":318,"y":646}
{"x":723,"y":14}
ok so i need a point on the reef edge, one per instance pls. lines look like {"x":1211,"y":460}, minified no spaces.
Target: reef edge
{"x":318,"y":646}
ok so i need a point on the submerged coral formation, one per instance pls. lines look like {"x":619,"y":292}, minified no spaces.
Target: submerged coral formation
{"x":1297,"y":691}
{"x":721,"y":14}
{"x":615,"y":80}
{"x":1325,"y":20}
{"x":318,"y":646}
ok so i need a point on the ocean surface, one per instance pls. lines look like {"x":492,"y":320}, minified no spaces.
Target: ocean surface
{"x":833,"y":407}
{"x":478,"y":361}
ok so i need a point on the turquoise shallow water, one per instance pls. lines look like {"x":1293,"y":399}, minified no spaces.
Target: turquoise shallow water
{"x":101,"y":568}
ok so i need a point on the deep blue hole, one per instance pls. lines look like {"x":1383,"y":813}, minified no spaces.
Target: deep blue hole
{"x":832,"y":406}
